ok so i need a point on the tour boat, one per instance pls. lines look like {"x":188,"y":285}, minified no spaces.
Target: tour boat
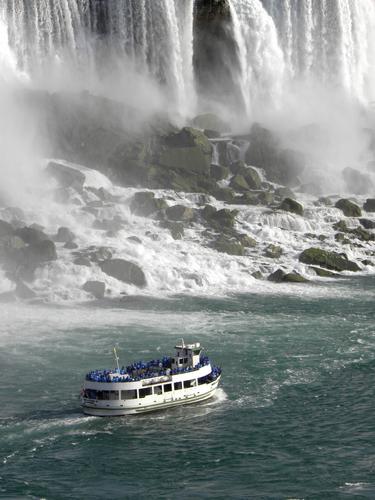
{"x":187,"y":377}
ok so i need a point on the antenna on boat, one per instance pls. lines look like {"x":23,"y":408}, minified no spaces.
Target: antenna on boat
{"x":183,"y":343}
{"x":116,"y":358}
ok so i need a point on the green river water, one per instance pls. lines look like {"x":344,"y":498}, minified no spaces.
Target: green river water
{"x":294,"y":417}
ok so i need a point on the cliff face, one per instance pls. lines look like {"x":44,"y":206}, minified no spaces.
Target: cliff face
{"x":215,"y":51}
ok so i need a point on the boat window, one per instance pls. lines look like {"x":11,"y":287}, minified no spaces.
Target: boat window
{"x":90,"y":393}
{"x":185,"y":360}
{"x":113,"y":395}
{"x":202,"y":380}
{"x":189,"y":383}
{"x":146,"y":391}
{"x":158,"y":389}
{"x":107,"y":395}
{"x":177,"y":386}
{"x":181,"y":361}
{"x":132,"y":394}
{"x":167,"y":387}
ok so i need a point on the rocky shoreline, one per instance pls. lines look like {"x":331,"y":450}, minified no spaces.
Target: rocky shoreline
{"x":237,"y":197}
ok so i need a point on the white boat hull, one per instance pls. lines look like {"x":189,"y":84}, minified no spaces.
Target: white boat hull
{"x":120,"y":408}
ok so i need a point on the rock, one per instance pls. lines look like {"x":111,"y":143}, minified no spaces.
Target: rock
{"x":369,"y":205}
{"x":349,"y":208}
{"x":238,"y":183}
{"x":82,"y":261}
{"x":246,"y":241}
{"x":281,"y":165}
{"x":180,"y":213}
{"x":330,"y":260}
{"x":211,"y":134}
{"x":341,"y":226}
{"x":356,"y":182}
{"x":247,"y":199}
{"x":134,"y":239}
{"x":252,"y":178}
{"x":125,"y":271}
{"x":367,"y":223}
{"x":64,"y":235}
{"x":211,"y":122}
{"x":229,"y":246}
{"x":277,"y":276}
{"x":284,"y":192}
{"x":6,"y":229}
{"x":223,"y":219}
{"x":362,"y":234}
{"x":280,"y":276}
{"x":293,"y":206}
{"x":95,"y":288}
{"x":257,"y":275}
{"x":323,"y":272}
{"x":176,"y":229}
{"x":219,"y":172}
{"x":70,"y":245}
{"x":30,"y":235}
{"x":145,"y":204}
{"x":41,"y":251}
{"x":367,"y":262}
{"x":341,"y":238}
{"x":208,"y":212}
{"x":265,"y":198}
{"x":224,"y":194}
{"x":324,"y":200}
{"x":273,"y":251}
{"x":66,"y":176}
{"x":188,"y":150}
{"x":24,"y":292}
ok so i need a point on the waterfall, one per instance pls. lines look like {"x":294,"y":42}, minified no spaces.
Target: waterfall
{"x":331,"y":41}
{"x":92,"y":36}
{"x":279,"y":42}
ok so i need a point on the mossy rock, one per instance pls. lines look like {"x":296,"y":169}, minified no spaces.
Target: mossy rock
{"x":252,"y":178}
{"x":176,"y":229}
{"x":246,"y":240}
{"x":341,"y":226}
{"x":224,"y":218}
{"x":224,"y":194}
{"x":290,"y":205}
{"x":218,"y":172}
{"x":265,"y":198}
{"x":367,"y":223}
{"x":257,"y":275}
{"x":284,"y":192}
{"x":238,"y":183}
{"x":273,"y":251}
{"x":247,"y":199}
{"x":349,"y":208}
{"x":145,"y":204}
{"x":369,"y":205}
{"x":229,"y":246}
{"x":188,"y":159}
{"x":125,"y":271}
{"x":330,"y":260}
{"x":180,"y":213}
{"x":323,"y":272}
{"x":279,"y":276}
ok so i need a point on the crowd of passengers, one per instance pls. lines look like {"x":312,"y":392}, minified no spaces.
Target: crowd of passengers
{"x":142,"y":370}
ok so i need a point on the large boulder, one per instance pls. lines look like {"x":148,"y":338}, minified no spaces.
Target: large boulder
{"x":369,"y":205}
{"x":64,"y":235}
{"x":228,"y":245}
{"x":290,"y":205}
{"x":187,"y":150}
{"x":238,"y":183}
{"x":281,"y":165}
{"x":356,"y":182}
{"x":95,"y":288}
{"x":349,"y":208}
{"x":145,"y":204}
{"x":31,"y":235}
{"x":280,"y":276}
{"x":367,"y":223}
{"x":67,"y":177}
{"x":125,"y":271}
{"x":330,"y":260}
{"x":180,"y":213}
{"x":273,"y":251}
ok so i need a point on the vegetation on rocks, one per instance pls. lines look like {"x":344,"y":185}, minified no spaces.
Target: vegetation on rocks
{"x":330,"y":260}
